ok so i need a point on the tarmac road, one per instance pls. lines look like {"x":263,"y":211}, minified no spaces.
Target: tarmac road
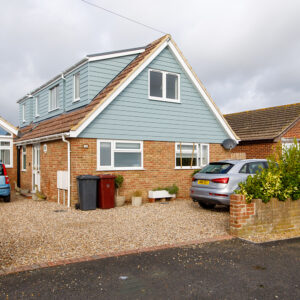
{"x":231,"y":269}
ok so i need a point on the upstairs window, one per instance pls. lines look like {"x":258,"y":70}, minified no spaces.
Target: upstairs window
{"x":76,"y":84}
{"x":191,"y":155}
{"x":23,"y":113}
{"x":164,"y":86}
{"x":53,"y":98}
{"x":36,"y":106}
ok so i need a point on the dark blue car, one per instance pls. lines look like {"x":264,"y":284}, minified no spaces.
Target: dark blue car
{"x":4,"y":184}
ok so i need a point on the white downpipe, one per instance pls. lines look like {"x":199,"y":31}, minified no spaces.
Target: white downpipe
{"x":69,"y":169}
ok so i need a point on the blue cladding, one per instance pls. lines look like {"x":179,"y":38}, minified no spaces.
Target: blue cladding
{"x":94,"y":76}
{"x":133,"y":116}
{"x":3,"y":132}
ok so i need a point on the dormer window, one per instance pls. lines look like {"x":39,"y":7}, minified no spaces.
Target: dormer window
{"x":23,"y":113}
{"x":76,"y":93}
{"x":36,"y":106}
{"x":164,"y":86}
{"x":53,"y":98}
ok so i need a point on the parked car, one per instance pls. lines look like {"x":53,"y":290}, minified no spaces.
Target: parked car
{"x":4,"y":184}
{"x":218,"y":180}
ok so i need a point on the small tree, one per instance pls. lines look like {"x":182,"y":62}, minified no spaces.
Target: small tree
{"x":281,"y":180}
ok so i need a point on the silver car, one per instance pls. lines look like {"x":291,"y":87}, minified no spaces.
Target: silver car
{"x":217,"y":181}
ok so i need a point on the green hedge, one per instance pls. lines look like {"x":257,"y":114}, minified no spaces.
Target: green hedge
{"x":281,"y":180}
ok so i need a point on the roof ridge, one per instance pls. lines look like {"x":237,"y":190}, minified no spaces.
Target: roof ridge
{"x":261,"y":109}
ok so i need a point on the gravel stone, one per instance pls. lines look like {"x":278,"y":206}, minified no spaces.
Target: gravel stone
{"x":33,"y":233}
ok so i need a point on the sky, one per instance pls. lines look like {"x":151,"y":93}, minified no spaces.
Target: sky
{"x":246,"y":52}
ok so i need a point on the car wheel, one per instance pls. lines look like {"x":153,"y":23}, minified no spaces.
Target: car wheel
{"x":7,"y":198}
{"x":206,"y":206}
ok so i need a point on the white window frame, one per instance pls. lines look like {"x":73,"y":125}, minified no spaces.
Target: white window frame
{"x":197,"y":155}
{"x":74,"y":87}
{"x":23,"y":113}
{"x":50,"y":109}
{"x":113,"y":150}
{"x":10,"y":148}
{"x":36,"y":106}
{"x":164,"y":87}
{"x":24,"y":154}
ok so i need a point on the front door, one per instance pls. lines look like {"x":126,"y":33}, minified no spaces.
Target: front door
{"x":36,"y":177}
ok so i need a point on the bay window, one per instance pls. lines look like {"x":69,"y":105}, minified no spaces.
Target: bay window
{"x":120,"y":155}
{"x":191,"y":155}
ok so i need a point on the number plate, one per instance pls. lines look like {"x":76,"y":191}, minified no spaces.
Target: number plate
{"x":206,"y":182}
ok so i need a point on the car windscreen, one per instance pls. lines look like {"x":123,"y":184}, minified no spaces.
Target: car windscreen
{"x":217,"y":168}
{"x":1,"y":170}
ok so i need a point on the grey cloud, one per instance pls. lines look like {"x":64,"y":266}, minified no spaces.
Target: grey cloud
{"x":245,"y":52}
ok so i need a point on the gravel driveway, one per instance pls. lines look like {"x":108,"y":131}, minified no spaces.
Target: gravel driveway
{"x":37,"y":232}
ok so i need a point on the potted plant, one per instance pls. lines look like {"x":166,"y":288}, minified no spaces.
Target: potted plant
{"x":136,"y":199}
{"x":119,"y":200}
{"x":167,"y":192}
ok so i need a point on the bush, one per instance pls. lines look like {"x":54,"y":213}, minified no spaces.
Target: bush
{"x":119,"y":181}
{"x":137,"y":194}
{"x":281,"y":180}
{"x":173,"y":189}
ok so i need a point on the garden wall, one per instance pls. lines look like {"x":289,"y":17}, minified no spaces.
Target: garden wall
{"x":258,"y":217}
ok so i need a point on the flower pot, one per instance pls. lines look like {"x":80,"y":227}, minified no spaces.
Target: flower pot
{"x":136,"y":201}
{"x":160,"y":194}
{"x":119,"y":200}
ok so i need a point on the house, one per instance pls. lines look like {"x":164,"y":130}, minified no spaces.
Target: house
{"x":261,"y":130}
{"x":141,"y":113}
{"x":8,"y":153}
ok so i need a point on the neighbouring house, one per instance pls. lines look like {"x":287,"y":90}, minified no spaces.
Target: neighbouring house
{"x":8,"y":153}
{"x":141,"y":113}
{"x":261,"y":130}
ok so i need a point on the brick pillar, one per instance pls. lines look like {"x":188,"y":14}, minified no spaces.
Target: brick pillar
{"x":240,"y":213}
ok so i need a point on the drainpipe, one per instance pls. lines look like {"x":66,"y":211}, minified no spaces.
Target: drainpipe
{"x":69,"y":169}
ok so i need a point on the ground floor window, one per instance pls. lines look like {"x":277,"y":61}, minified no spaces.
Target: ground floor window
{"x":119,"y":155}
{"x":191,"y":155}
{"x":23,"y":158}
{"x":6,"y":152}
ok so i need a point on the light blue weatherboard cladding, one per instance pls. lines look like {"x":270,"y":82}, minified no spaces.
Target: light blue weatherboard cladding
{"x":3,"y":132}
{"x":132,"y":116}
{"x":69,"y":84}
{"x":103,"y":71}
{"x":28,"y":112}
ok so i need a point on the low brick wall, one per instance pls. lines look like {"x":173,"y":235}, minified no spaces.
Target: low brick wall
{"x":258,"y":217}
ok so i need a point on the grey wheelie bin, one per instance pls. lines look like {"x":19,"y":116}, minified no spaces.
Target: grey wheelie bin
{"x":87,"y":191}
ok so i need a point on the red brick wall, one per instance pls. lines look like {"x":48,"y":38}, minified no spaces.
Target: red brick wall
{"x":294,"y":132}
{"x":254,"y":218}
{"x":26,"y":176}
{"x":12,"y":172}
{"x":255,"y":149}
{"x":159,"y":164}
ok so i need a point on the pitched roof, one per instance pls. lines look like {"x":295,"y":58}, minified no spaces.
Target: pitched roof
{"x":7,"y":126}
{"x":73,"y":122}
{"x":262,"y":124}
{"x":67,"y":121}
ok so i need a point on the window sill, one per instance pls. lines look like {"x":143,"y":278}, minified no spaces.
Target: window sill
{"x":164,"y":100}
{"x":120,"y":169}
{"x":57,"y":108}
{"x":188,"y":168}
{"x":8,"y":167}
{"x":36,"y":116}
{"x":23,"y":170}
{"x":76,"y":100}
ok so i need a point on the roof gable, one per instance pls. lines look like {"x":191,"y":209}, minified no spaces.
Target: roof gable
{"x":267,"y":123}
{"x":7,"y":127}
{"x":75,"y":122}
